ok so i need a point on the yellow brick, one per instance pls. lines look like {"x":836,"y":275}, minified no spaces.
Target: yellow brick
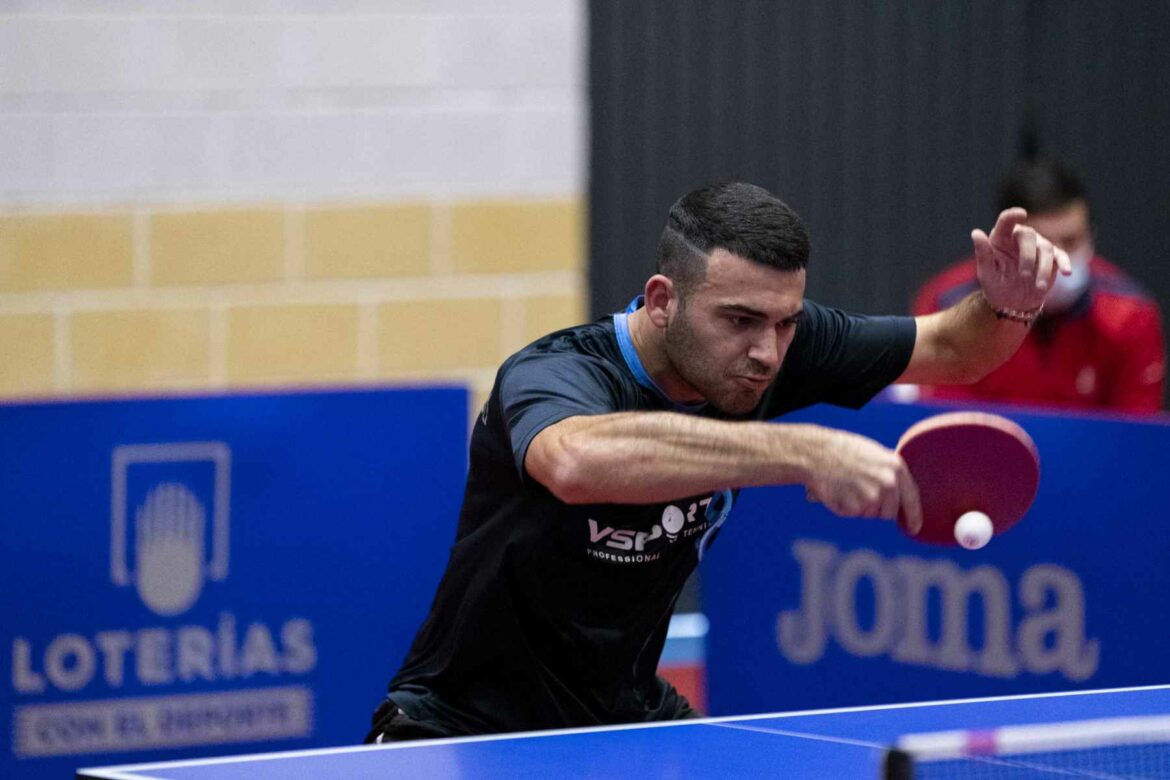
{"x":216,"y":247}
{"x":439,"y":335}
{"x":517,"y":236}
{"x":547,"y":313}
{"x":368,"y":242}
{"x":65,"y":251}
{"x":115,"y":350}
{"x":26,"y":354}
{"x":293,"y":343}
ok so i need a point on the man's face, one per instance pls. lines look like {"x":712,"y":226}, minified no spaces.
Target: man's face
{"x":1068,"y":227}
{"x":728,"y":336}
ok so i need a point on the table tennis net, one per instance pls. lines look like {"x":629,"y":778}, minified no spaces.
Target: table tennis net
{"x":1136,"y":747}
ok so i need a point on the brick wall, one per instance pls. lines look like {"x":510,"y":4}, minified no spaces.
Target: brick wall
{"x":219,"y":195}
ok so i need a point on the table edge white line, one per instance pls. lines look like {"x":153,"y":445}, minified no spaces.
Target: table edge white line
{"x":246,"y":758}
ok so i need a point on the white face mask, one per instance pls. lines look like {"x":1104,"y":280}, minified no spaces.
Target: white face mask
{"x":1066,"y":290}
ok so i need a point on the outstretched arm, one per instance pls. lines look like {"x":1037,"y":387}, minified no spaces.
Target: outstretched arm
{"x":639,"y":457}
{"x":1015,"y":266}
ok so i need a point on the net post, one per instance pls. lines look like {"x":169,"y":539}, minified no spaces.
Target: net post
{"x":897,"y":765}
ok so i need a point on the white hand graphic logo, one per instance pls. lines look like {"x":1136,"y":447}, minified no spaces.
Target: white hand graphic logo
{"x":169,"y":545}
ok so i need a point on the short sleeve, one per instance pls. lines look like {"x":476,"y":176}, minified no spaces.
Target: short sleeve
{"x":540,"y":389}
{"x":842,"y":359}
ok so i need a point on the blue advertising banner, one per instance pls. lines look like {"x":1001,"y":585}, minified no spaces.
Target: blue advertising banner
{"x":810,"y":610}
{"x":199,"y":576}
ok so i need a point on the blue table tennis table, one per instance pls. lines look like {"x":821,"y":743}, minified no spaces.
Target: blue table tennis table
{"x":841,"y":743}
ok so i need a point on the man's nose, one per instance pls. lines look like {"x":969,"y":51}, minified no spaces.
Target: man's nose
{"x":767,"y":350}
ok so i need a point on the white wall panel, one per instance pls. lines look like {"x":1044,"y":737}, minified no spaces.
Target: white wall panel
{"x":187,"y":8}
{"x":126,"y":101}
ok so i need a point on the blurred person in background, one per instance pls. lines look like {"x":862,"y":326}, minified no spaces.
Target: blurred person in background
{"x":1098,"y":342}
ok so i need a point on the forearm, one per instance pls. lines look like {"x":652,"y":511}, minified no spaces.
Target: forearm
{"x":963,"y":344}
{"x":635,"y":458}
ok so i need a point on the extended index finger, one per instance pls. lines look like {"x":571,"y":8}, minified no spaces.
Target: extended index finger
{"x":1008,"y":219}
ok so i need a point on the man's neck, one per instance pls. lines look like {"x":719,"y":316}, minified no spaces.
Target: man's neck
{"x":649,"y":343}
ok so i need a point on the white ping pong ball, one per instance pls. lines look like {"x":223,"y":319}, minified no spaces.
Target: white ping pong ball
{"x":973,"y":530}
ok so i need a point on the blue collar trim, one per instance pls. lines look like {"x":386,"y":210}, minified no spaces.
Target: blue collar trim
{"x":621,"y":327}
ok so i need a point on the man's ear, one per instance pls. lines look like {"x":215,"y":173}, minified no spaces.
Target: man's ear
{"x":661,"y":299}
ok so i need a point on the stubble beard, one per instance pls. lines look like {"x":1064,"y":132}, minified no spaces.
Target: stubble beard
{"x":692,"y":364}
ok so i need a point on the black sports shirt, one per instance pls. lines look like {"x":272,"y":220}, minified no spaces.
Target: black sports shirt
{"x":552,"y":615}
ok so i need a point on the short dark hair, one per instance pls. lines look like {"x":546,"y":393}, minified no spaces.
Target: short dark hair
{"x":1041,"y":185}
{"x":742,"y":218}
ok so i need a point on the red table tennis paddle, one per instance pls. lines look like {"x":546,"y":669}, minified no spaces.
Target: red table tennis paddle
{"x":969,"y":461}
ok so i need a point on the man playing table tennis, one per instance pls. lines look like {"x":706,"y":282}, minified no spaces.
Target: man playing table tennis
{"x":606,"y":457}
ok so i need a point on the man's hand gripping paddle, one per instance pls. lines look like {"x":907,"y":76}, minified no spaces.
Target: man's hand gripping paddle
{"x":967,"y":465}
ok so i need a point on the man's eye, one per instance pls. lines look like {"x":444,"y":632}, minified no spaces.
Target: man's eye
{"x":738,"y":322}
